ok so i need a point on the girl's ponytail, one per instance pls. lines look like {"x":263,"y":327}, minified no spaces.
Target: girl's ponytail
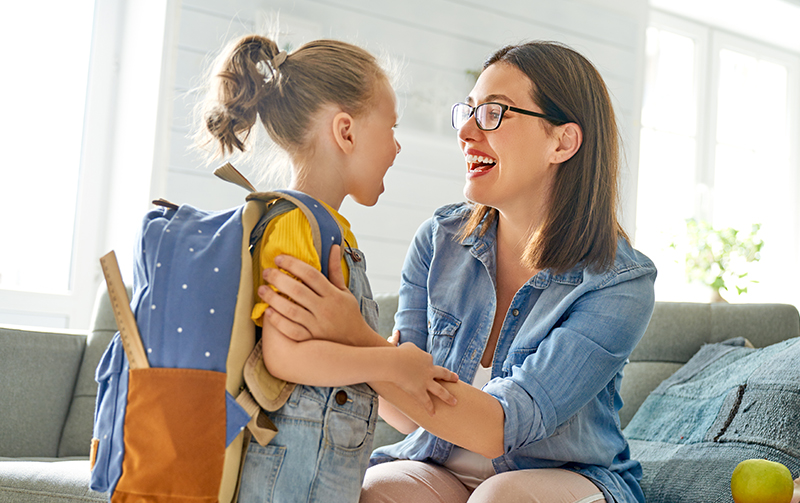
{"x":246,"y":74}
{"x":255,"y":79}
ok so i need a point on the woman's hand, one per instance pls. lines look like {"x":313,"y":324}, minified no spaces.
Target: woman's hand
{"x":419,"y":377}
{"x":316,"y":307}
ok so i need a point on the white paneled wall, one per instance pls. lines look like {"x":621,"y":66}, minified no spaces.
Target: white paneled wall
{"x":435,"y":42}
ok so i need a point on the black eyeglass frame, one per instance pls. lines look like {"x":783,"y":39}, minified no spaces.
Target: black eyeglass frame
{"x":504,"y":108}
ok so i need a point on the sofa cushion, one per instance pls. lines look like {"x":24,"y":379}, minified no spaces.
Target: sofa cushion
{"x":38,"y":378}
{"x":46,"y":481}
{"x":387,"y":307}
{"x":727,"y":404}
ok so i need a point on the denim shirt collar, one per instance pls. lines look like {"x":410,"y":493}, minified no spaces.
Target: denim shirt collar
{"x":484,"y":249}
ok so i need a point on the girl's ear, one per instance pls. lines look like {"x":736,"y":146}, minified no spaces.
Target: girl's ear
{"x":344,"y":132}
{"x":570,"y":138}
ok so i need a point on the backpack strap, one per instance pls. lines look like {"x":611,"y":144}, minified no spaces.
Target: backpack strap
{"x":261,"y":426}
{"x":315,"y":212}
{"x":325,"y":234}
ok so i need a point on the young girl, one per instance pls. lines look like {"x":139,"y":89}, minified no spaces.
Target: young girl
{"x":331,"y":108}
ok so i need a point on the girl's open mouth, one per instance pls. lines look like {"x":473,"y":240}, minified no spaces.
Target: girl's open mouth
{"x":479,"y":163}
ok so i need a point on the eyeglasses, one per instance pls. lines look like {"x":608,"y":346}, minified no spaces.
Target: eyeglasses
{"x":489,"y":115}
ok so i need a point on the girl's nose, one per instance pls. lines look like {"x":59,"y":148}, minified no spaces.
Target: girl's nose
{"x":399,"y":148}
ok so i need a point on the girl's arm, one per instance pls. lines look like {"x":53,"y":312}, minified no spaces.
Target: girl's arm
{"x":325,"y":363}
{"x":322,"y":309}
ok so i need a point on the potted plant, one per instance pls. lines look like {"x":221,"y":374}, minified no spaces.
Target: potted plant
{"x":720,"y":258}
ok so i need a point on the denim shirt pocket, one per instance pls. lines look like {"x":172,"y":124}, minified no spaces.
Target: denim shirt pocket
{"x":442,"y":328}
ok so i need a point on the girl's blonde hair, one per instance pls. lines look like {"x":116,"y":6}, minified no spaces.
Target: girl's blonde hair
{"x":254,"y":79}
{"x":581,"y":226}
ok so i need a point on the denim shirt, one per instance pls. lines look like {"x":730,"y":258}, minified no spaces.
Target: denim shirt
{"x":559,"y":358}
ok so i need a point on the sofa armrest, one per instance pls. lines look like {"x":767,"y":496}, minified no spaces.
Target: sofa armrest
{"x":38,"y":369}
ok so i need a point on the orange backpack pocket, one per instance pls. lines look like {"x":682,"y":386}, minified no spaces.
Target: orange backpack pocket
{"x":174,"y":436}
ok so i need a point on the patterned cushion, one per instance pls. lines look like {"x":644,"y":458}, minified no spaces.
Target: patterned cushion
{"x":727,"y":404}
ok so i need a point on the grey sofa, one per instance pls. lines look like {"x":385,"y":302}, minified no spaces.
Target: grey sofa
{"x":47,"y":388}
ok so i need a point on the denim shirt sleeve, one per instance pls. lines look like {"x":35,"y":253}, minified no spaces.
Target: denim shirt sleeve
{"x":576,"y":359}
{"x":411,"y":317}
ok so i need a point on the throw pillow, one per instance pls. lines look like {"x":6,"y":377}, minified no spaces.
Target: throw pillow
{"x":727,"y":404}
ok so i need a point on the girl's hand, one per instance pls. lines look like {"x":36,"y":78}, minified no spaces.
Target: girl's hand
{"x":316,"y":307}
{"x":419,"y":377}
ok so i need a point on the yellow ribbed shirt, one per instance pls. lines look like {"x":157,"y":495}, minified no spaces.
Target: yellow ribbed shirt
{"x":290,"y":234}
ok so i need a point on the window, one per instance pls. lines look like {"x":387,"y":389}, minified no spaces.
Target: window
{"x":718,"y":143}
{"x":44,"y":123}
{"x":46,"y":103}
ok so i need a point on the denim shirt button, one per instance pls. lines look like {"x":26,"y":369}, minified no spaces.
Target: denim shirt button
{"x":515,"y":312}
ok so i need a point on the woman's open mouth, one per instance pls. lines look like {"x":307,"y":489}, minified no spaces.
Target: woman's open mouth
{"x":479,"y":163}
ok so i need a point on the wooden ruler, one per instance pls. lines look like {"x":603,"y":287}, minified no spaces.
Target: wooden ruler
{"x":126,"y":323}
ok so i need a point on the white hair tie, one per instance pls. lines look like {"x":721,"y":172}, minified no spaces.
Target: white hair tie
{"x":269,"y":67}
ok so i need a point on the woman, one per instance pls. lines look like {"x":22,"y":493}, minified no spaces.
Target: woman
{"x":533,"y":285}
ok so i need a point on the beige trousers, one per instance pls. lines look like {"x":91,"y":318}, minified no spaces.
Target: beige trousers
{"x":418,"y":482}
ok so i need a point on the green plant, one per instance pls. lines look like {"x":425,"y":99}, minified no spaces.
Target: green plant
{"x":720,"y":258}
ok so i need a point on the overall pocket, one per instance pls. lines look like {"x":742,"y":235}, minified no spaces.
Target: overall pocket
{"x":260,"y":472}
{"x":350,"y":418}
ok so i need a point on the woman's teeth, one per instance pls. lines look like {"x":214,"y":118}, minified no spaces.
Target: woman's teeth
{"x":479,"y":162}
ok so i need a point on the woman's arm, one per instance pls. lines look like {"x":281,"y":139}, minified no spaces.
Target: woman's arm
{"x":475,"y":422}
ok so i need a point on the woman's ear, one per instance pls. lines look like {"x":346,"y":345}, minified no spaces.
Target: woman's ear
{"x":344,"y":132}
{"x":570,"y":138}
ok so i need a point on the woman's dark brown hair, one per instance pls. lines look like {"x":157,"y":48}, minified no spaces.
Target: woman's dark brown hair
{"x":253,"y":79}
{"x":581,"y":225}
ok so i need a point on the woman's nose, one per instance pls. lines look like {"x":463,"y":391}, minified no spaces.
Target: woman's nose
{"x":470,"y":130}
{"x":399,"y":148}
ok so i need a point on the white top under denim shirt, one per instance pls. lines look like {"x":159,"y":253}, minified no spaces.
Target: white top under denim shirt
{"x":559,"y":357}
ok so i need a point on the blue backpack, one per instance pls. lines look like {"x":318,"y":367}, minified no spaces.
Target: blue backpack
{"x":178,"y":402}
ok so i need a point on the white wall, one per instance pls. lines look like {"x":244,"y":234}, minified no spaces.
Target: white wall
{"x":437,"y":41}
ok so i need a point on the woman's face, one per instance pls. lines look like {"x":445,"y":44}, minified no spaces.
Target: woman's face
{"x":510,"y":167}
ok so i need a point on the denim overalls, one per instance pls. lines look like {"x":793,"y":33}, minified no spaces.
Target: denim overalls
{"x":325,"y":435}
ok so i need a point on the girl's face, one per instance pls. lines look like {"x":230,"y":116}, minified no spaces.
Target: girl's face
{"x":509,"y":168}
{"x":376,"y":147}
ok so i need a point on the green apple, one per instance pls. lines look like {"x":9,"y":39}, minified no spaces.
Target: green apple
{"x":761,"y":481}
